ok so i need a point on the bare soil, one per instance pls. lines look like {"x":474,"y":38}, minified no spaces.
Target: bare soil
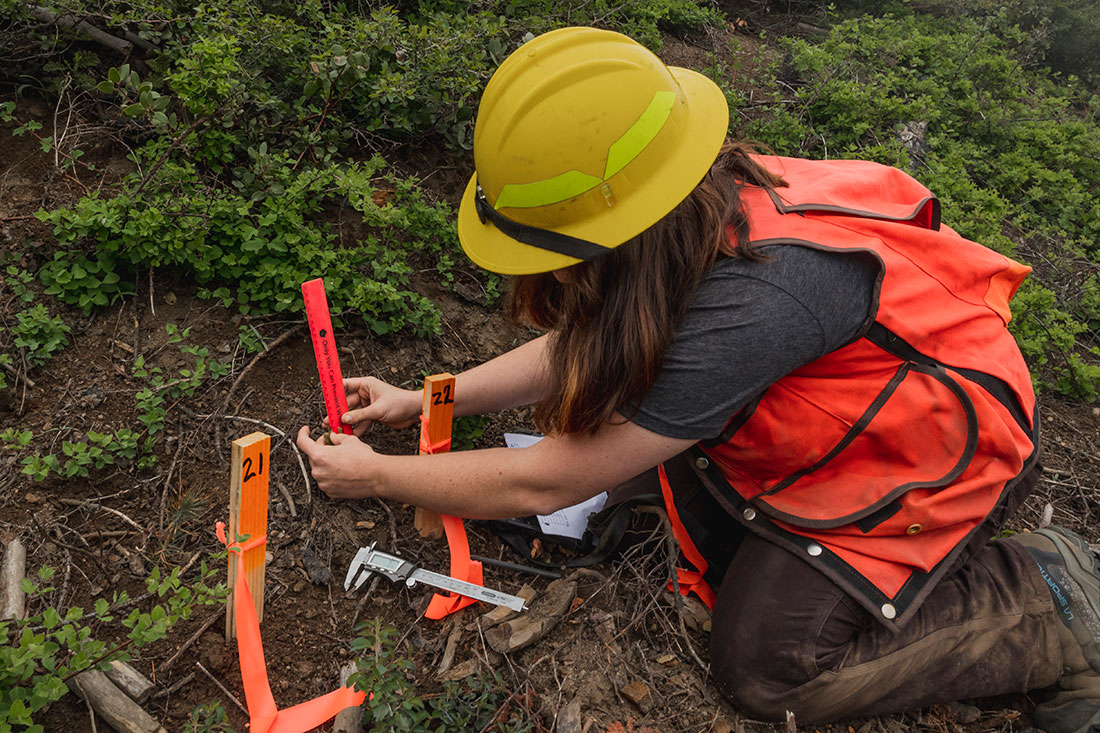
{"x":623,"y":631}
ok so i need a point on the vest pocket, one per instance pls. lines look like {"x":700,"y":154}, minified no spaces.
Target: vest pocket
{"x":883,"y":454}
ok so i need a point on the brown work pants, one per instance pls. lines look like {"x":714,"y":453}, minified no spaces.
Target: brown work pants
{"x":785,"y":637}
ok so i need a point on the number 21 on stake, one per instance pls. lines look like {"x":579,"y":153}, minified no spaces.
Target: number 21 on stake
{"x":248,"y":495}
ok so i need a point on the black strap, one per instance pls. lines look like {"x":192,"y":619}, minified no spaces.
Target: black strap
{"x":605,"y":533}
{"x":563,"y":244}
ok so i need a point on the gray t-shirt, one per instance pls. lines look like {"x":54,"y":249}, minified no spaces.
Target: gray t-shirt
{"x":751,"y":323}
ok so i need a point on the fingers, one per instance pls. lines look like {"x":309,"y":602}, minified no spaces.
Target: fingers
{"x":338,"y":438}
{"x":305,"y":443}
{"x":358,"y":417}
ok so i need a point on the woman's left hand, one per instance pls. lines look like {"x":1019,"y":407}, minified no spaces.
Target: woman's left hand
{"x":343,"y":469}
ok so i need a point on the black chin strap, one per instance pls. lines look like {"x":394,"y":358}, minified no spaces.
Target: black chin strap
{"x":562,"y":244}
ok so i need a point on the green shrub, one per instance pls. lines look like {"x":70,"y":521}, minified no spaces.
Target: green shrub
{"x":39,"y":653}
{"x":38,"y":334}
{"x":392,"y":705}
{"x":1009,"y":151}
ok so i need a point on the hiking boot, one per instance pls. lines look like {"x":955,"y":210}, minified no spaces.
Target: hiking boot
{"x":1072,"y":572}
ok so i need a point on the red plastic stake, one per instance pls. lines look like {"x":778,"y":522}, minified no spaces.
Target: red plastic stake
{"x":324,"y":350}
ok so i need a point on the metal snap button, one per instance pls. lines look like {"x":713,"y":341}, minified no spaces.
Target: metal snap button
{"x":702,"y":463}
{"x":813,"y":550}
{"x":749,"y":514}
{"x":914,"y":529}
{"x":889,"y":611}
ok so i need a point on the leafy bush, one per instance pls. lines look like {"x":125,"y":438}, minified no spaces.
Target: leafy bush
{"x":1009,"y":151}
{"x":39,"y":653}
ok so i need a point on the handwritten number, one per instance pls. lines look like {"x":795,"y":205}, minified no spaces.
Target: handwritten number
{"x":248,"y":472}
{"x":444,"y":397}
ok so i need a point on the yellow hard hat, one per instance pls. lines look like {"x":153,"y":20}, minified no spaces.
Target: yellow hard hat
{"x":584,"y":139}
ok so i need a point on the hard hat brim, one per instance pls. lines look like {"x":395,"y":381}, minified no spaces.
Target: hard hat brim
{"x":680,"y":173}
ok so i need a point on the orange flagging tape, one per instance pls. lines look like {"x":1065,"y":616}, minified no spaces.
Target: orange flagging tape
{"x":690,"y":581}
{"x":462,"y":567}
{"x":264,"y":717}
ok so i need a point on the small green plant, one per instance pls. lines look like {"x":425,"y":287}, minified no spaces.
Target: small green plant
{"x":393,"y":705}
{"x":468,"y":431}
{"x":19,"y":281}
{"x":250,"y":339}
{"x":39,"y":334}
{"x":208,"y":718}
{"x":40,"y":653}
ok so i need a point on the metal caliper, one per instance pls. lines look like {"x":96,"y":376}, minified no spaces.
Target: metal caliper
{"x":369,"y":560}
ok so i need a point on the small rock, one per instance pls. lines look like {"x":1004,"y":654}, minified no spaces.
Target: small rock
{"x":170,"y":298}
{"x":639,"y":694}
{"x":668,"y":660}
{"x":319,"y":573}
{"x":964,"y":714}
{"x":137,"y":567}
{"x":569,"y":718}
{"x":32,"y":498}
{"x":91,"y":397}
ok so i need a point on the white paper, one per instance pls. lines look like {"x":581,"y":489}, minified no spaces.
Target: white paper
{"x":571,"y":521}
{"x":520,"y":440}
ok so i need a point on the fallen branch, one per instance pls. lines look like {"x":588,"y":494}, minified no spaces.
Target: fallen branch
{"x":678,"y":601}
{"x":221,"y":687}
{"x":112,"y":704}
{"x":175,"y":686}
{"x":94,"y":505}
{"x":194,"y":637}
{"x":136,"y":685}
{"x":101,"y":37}
{"x":14,"y":600}
{"x":18,"y":374}
{"x":255,"y":360}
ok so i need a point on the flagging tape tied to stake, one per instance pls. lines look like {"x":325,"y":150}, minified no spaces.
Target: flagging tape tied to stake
{"x":264,"y":716}
{"x":435,"y":437}
{"x":324,"y":350}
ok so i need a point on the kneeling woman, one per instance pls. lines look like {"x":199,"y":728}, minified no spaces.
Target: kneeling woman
{"x":820,"y":364}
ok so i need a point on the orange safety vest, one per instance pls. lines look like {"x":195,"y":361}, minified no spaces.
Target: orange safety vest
{"x":880,"y":461}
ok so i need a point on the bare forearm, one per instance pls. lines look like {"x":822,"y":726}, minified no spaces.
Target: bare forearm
{"x":513,"y":379}
{"x":482,"y":484}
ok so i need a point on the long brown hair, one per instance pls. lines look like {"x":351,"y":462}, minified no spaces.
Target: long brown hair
{"x":612,"y":322}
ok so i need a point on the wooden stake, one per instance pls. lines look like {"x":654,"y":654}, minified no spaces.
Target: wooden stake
{"x":248,"y":516}
{"x":439,"y":408}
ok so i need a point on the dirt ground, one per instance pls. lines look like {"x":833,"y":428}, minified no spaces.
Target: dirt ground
{"x":621,"y":652}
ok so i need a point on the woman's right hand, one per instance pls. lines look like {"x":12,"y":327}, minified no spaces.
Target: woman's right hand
{"x":371,"y":400}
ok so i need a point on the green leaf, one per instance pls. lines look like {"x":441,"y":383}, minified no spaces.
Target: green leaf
{"x":114,"y":75}
{"x":133,"y":110}
{"x":107,"y":87}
